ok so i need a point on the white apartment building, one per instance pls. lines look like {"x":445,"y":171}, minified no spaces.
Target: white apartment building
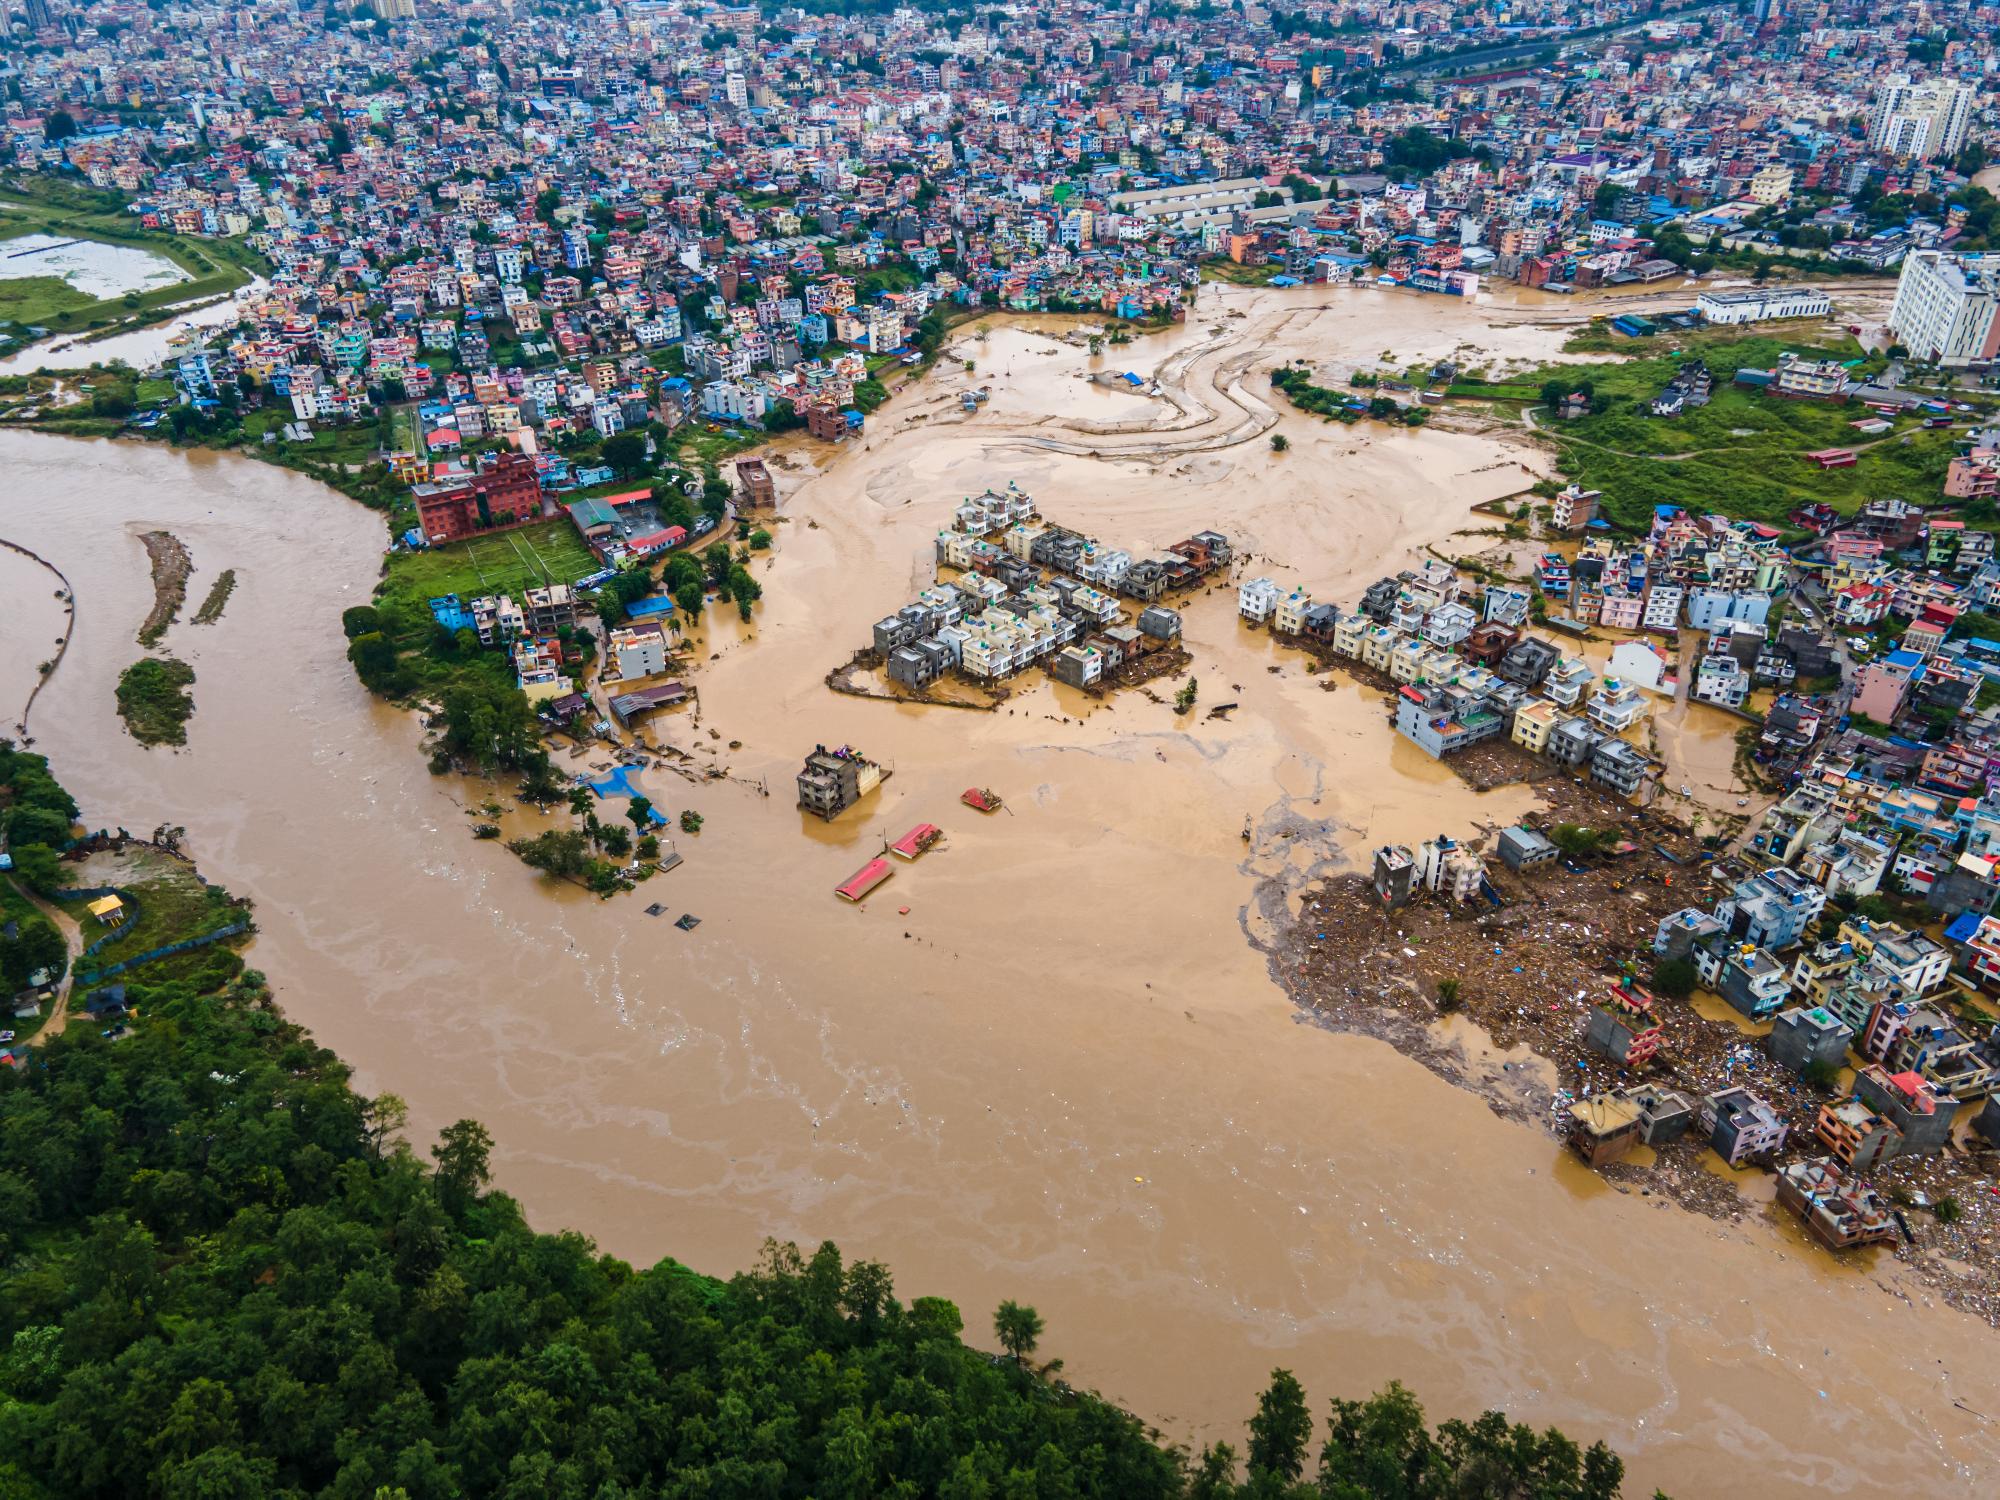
{"x":1289,"y":618}
{"x":1760,"y":303}
{"x":1663,"y":608}
{"x":1920,"y":120}
{"x":639,"y":652}
{"x":1615,"y":707}
{"x":1947,"y":307}
{"x":1257,"y":600}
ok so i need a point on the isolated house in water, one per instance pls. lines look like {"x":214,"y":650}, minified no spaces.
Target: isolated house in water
{"x":834,"y":780}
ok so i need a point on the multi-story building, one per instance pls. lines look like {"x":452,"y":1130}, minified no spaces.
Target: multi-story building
{"x":1947,"y":308}
{"x":1920,"y":120}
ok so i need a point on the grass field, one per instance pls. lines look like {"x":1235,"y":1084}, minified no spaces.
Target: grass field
{"x":1235,"y":275}
{"x":169,"y":904}
{"x":1742,"y":455}
{"x":505,"y":561}
{"x":35,"y":204}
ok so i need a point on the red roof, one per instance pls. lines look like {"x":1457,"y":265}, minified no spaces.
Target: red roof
{"x":917,"y":840}
{"x":980,"y":799}
{"x":865,"y":879}
{"x":1911,"y":1087}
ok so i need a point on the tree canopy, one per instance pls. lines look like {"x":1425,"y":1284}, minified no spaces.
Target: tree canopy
{"x":225,"y":1273}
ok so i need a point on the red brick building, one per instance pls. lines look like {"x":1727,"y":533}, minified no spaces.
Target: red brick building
{"x":504,"y":493}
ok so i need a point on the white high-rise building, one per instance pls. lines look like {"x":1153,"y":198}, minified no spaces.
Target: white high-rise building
{"x":1947,"y":307}
{"x":1920,"y":120}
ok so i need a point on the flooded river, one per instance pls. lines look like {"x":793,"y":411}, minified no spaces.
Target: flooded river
{"x":1065,"y":1074}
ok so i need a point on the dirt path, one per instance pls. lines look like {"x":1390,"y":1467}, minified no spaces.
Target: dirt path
{"x":73,"y":936}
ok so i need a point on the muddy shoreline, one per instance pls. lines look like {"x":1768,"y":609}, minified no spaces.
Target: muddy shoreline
{"x":1071,"y":1080}
{"x":1348,"y":966}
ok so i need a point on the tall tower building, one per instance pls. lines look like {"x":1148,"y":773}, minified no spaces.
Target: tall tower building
{"x":1921,"y":121}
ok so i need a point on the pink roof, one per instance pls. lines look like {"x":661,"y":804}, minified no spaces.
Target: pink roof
{"x":911,"y":844}
{"x":865,"y":879}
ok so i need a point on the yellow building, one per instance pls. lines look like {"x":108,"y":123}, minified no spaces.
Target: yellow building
{"x":1534,"y":723}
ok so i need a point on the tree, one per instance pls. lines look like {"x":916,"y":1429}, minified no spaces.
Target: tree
{"x":540,"y":782}
{"x":639,"y":810}
{"x":58,"y":125}
{"x":561,"y":852}
{"x":1576,"y":840}
{"x":490,"y":724}
{"x":1281,"y":1429}
{"x":41,"y":869}
{"x":463,"y":1155}
{"x":626,"y":452}
{"x":377,"y":664}
{"x":1450,"y":996}
{"x":37,"y":825}
{"x":1674,"y":978}
{"x":1279,"y":442}
{"x":744,"y":589}
{"x":35,"y":946}
{"x":1018,"y":1328}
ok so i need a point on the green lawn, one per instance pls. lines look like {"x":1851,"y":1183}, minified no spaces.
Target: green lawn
{"x":169,"y":904}
{"x":506,"y":561}
{"x":1742,"y":455}
{"x":1235,"y":275}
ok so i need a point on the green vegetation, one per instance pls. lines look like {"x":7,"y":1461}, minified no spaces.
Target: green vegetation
{"x":1339,"y":406}
{"x":409,"y":652}
{"x":223,"y":1272}
{"x":35,"y":947}
{"x":153,"y":700}
{"x":1235,"y":275}
{"x":1674,"y":978}
{"x":167,"y":903}
{"x":39,"y":204}
{"x":218,"y":597}
{"x":37,"y":815}
{"x":1577,"y":841}
{"x":1742,"y":454}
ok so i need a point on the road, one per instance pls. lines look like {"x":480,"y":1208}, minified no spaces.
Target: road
{"x":1485,"y":59}
{"x":73,"y":936}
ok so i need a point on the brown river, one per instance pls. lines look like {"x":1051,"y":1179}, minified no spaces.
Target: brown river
{"x":1065,"y":1075}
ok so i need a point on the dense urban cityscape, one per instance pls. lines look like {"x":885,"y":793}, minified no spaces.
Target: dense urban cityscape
{"x":1309,"y":686}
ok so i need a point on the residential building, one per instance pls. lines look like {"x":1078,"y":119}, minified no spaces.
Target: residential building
{"x":1947,"y":308}
{"x":1741,"y":1127}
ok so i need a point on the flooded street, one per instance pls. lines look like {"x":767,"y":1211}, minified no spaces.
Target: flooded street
{"x":1065,"y":1076}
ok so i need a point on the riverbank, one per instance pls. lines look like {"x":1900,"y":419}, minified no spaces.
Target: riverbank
{"x":1064,"y":1061}
{"x":223,"y":1137}
{"x":211,"y":269}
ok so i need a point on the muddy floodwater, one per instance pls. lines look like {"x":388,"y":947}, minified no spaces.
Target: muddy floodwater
{"x":1065,"y":1075}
